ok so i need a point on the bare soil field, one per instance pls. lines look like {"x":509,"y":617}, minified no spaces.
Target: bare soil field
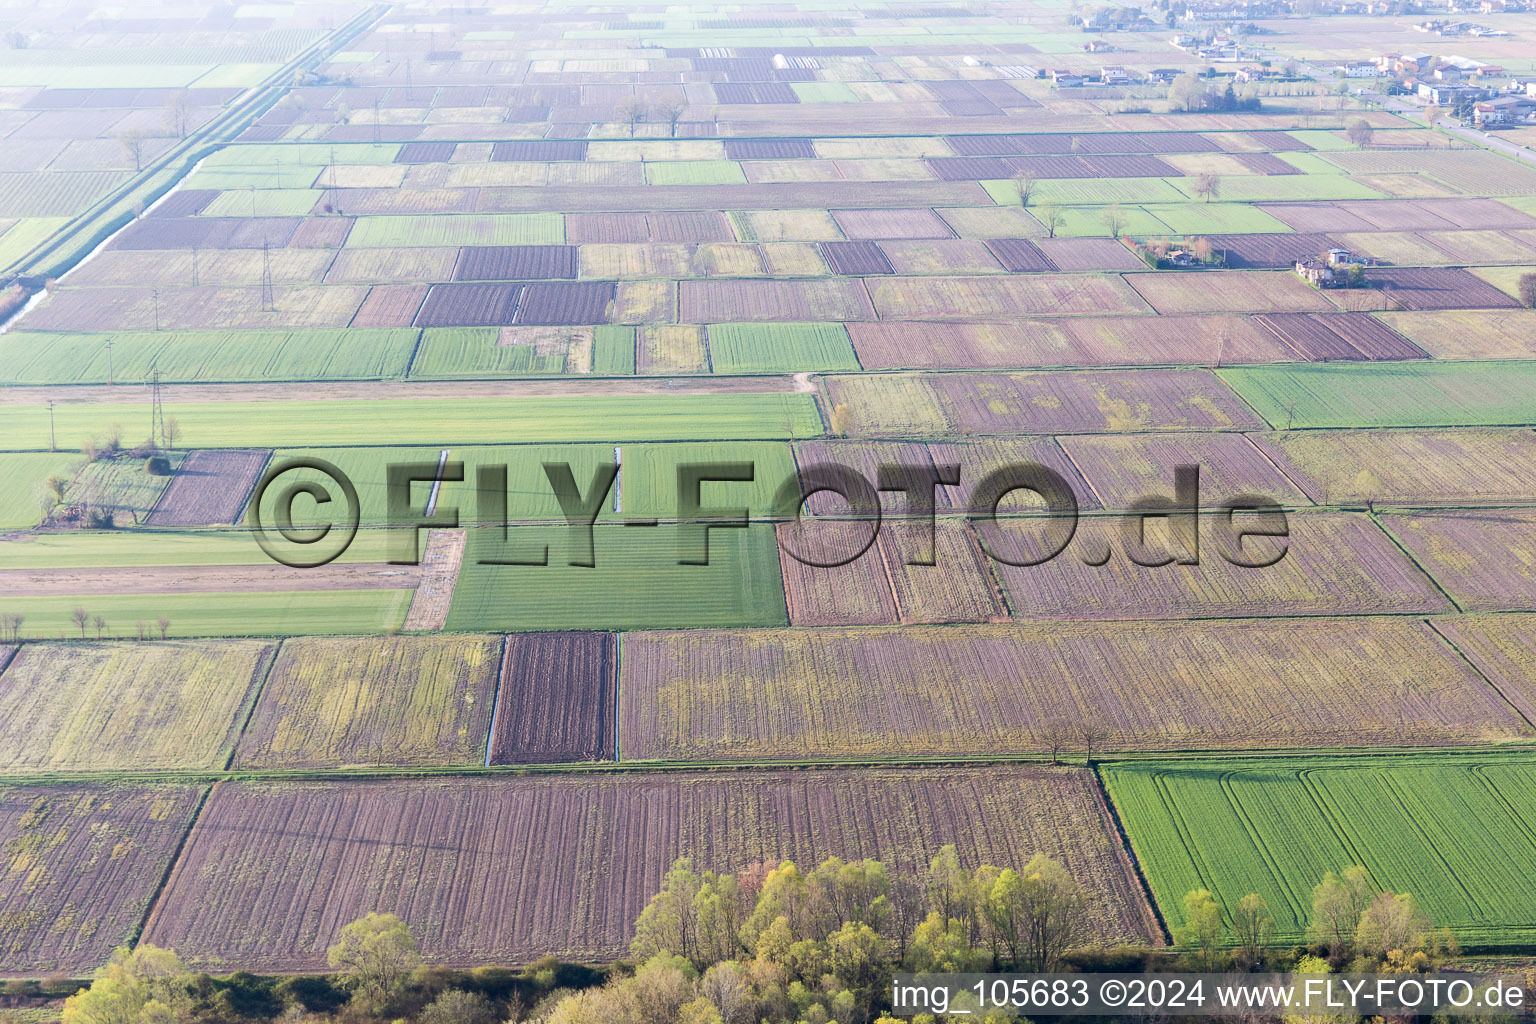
{"x":1332,"y":564}
{"x":1320,"y":337}
{"x":1123,"y":468}
{"x":210,"y":487}
{"x":1230,"y":292}
{"x":1067,"y":341}
{"x":82,"y":865}
{"x":556,"y":699}
{"x":361,"y":390}
{"x":485,"y":871}
{"x":1485,"y":559}
{"x":994,"y":689}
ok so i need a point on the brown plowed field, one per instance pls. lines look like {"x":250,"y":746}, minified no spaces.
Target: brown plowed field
{"x":504,"y":870}
{"x":210,"y":487}
{"x":81,"y":865}
{"x":556,"y":701}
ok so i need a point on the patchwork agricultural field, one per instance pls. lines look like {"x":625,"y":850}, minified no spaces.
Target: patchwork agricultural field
{"x":507,"y":842}
{"x":976,"y":690}
{"x":1277,"y":827}
{"x":373,"y":701}
{"x":568,"y":261}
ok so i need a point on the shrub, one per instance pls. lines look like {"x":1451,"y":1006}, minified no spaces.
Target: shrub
{"x":1527,"y":290}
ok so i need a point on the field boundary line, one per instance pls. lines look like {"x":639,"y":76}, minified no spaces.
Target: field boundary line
{"x":171,"y":865}
{"x":1127,"y":854}
{"x":1377,"y":757}
{"x":258,"y":690}
{"x":501,"y":674}
{"x":1279,"y":469}
{"x":1245,"y":403}
{"x":618,"y":683}
{"x":1371,"y":514}
{"x":1104,"y":505}
{"x":1480,"y":673}
{"x":410,"y":362}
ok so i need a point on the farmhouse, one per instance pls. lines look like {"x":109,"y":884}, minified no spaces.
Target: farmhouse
{"x":1330,"y":270}
{"x":1506,"y":110}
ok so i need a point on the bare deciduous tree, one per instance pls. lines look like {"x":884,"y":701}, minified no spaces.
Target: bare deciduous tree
{"x":1049,"y":214}
{"x":671,"y":112}
{"x":1114,"y":219}
{"x":632,"y":113}
{"x":1091,"y":734}
{"x":133,"y":146}
{"x":1055,"y":733}
{"x":178,"y":113}
{"x":1024,"y":185}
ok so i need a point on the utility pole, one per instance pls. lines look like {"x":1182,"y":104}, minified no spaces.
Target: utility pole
{"x":109,"y":362}
{"x":268,"y":304}
{"x":194,"y":268}
{"x":154,"y":296}
{"x":156,"y":411}
{"x":53,"y":444}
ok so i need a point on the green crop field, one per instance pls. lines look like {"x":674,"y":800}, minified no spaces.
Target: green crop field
{"x":1093,"y":191}
{"x":1086,"y":221}
{"x":126,"y":707}
{"x":824,"y":92}
{"x":648,"y":480}
{"x":242,"y":177}
{"x":263,"y":202}
{"x":391,"y":232}
{"x":24,"y":485}
{"x":613,"y":350}
{"x":367,"y":468}
{"x":636,"y":583}
{"x":82,"y":549}
{"x":313,"y":154}
{"x":1267,"y":188}
{"x":129,"y":356}
{"x":1457,"y":831}
{"x":780,"y":348}
{"x":261,"y":613}
{"x":1216,"y":219}
{"x":448,"y":352}
{"x":1417,"y":394}
{"x":428,"y":421}
{"x":694,"y":172}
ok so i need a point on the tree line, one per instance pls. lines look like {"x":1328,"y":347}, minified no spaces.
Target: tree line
{"x":775,"y":944}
